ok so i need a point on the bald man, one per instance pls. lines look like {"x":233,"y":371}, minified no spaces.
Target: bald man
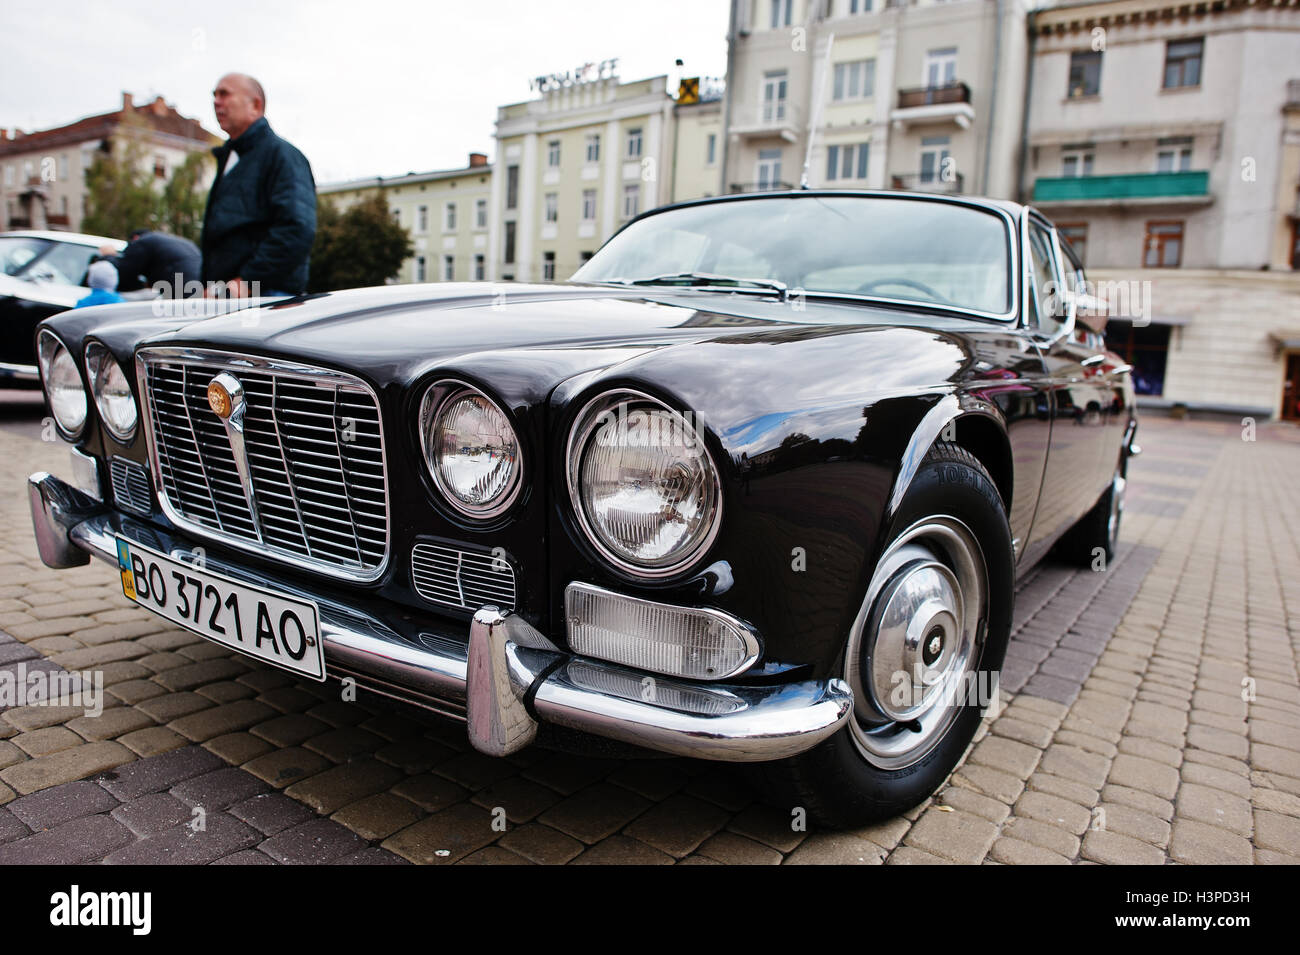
{"x":261,"y":213}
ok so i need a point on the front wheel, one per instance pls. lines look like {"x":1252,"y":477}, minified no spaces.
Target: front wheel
{"x":923,"y":653}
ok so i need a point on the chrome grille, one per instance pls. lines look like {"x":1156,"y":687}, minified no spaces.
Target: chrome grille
{"x":460,"y":578}
{"x":130,"y":485}
{"x":314,"y":451}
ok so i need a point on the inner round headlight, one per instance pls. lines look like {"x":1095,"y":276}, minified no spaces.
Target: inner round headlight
{"x":642,"y":484}
{"x":112,"y":393}
{"x":63,"y":385}
{"x":470,"y":448}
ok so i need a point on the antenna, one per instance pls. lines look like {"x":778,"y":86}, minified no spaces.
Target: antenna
{"x":814,"y":120}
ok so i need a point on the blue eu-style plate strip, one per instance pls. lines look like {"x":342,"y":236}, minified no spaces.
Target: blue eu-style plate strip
{"x":123,"y":556}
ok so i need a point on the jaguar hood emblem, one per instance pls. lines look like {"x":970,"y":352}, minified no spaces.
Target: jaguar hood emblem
{"x":226,"y":396}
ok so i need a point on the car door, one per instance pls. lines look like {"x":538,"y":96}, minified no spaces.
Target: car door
{"x":1079,"y":402}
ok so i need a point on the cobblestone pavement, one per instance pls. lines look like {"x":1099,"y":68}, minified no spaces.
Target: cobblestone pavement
{"x":1152,"y":713}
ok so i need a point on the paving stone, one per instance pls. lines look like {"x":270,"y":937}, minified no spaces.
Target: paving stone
{"x":136,"y":691}
{"x":768,"y":826}
{"x":1007,"y":755}
{"x":1072,"y":762}
{"x":34,"y":717}
{"x":59,"y":804}
{"x":225,"y":692}
{"x":152,"y":741}
{"x":1144,"y":774}
{"x":1031,"y":734}
{"x":568,"y":774}
{"x":1114,"y":848}
{"x":65,"y":766}
{"x":111,"y":724}
{"x":11,"y":827}
{"x":1238,"y":785}
{"x":1196,"y":843}
{"x":340,"y":745}
{"x":1216,"y":807}
{"x":331,"y":790}
{"x":494,"y":855}
{"x":522,"y":799}
{"x":621,"y":850}
{"x":1273,"y":800}
{"x":595,"y":813}
{"x":153,"y":813}
{"x":221,"y":835}
{"x":157,"y":772}
{"x":959,"y":836}
{"x":1014,"y":852}
{"x":679,"y":824}
{"x":315,"y":842}
{"x":1001,"y":786}
{"x":219,"y":788}
{"x":733,"y":849}
{"x":475,"y":771}
{"x":1275,"y":759}
{"x":1054,"y":810}
{"x":379,"y":816}
{"x":656,"y":779}
{"x":190,"y":676}
{"x":78,"y":841}
{"x":414,"y":754}
{"x":910,"y":856}
{"x":1044,"y":835}
{"x":283,"y":767}
{"x":290,"y":730}
{"x":722,"y":788}
{"x":10,"y":754}
{"x":287,"y":699}
{"x":430,"y":793}
{"x":1277,"y":832}
{"x":371,"y":855}
{"x":270,"y":813}
{"x":836,"y":848}
{"x":544,"y":845}
{"x":246,"y":857}
{"x":219,"y":720}
{"x":338,"y":713}
{"x":51,"y":739}
{"x":456,"y":832}
{"x":1067,"y":789}
{"x":173,"y":706}
{"x":238,"y":748}
{"x":967,"y":800}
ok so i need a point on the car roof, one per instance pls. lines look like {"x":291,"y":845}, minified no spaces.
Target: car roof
{"x":77,"y":238}
{"x":1014,"y":209}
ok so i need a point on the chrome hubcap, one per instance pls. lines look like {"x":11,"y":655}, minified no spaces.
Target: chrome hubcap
{"x":916,"y":642}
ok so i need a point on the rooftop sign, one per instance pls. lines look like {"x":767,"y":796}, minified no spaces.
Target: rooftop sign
{"x":580,"y":76}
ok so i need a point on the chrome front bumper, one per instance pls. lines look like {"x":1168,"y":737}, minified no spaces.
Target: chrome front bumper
{"x":505,"y":678}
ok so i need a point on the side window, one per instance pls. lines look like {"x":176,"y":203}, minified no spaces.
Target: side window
{"x":1045,"y":300}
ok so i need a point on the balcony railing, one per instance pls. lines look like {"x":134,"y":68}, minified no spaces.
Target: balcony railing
{"x":770,"y":118}
{"x":736,"y":187}
{"x":933,"y":95}
{"x":915,"y":182}
{"x":1151,"y":185}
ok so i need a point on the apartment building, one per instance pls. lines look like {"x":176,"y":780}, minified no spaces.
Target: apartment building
{"x":1163,"y":136}
{"x":924,"y":95}
{"x":42,"y":173}
{"x":446,"y":212}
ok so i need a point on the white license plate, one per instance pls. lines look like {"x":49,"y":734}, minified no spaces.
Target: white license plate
{"x":280,"y":630}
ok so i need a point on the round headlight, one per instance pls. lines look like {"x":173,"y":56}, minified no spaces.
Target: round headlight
{"x":642,"y":484}
{"x":112,"y":393}
{"x":63,"y":386}
{"x":470,"y":448}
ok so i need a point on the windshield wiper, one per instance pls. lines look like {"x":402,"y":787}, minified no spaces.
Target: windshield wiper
{"x":706,"y":279}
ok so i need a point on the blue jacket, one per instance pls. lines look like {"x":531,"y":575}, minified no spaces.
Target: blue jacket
{"x":99,"y":296}
{"x":261,"y":218}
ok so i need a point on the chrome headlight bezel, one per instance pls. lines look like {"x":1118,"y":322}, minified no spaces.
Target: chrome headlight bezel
{"x":584,"y":427}
{"x":100,"y":364}
{"x":435,"y":402}
{"x":48,"y":349}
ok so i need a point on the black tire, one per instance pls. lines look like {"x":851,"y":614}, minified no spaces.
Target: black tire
{"x":839,"y":783}
{"x":1097,"y":532}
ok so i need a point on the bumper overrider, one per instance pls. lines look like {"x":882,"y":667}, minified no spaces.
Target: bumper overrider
{"x":505,"y":680}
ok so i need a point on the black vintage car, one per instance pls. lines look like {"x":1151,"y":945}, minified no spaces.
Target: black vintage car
{"x":756,"y":485}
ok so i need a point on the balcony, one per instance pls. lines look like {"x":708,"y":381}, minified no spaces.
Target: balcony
{"x":737,"y":187}
{"x":934,"y":105}
{"x":772,"y":119}
{"x":1131,"y":189}
{"x":913,"y":182}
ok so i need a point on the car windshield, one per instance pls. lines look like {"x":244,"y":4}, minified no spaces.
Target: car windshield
{"x":880,"y":246}
{"x":19,"y":251}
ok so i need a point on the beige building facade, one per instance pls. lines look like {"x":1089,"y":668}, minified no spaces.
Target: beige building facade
{"x":446,"y":213}
{"x":43,"y":173}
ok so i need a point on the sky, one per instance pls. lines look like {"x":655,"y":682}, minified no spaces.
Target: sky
{"x":362,"y":87}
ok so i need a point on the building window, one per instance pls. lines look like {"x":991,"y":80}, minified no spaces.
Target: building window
{"x":480,"y":213}
{"x":419,"y":269}
{"x":1183,"y":63}
{"x":846,"y":162}
{"x":512,"y":187}
{"x":1075,"y":234}
{"x":553,"y":154}
{"x":9,"y":175}
{"x":781,"y":11}
{"x":593,"y":147}
{"x":634,"y":143}
{"x":859,"y":6}
{"x":854,"y":80}
{"x":548,"y":266}
{"x":1164,"y":245}
{"x":63,"y":167}
{"x":1076,"y":161}
{"x":422,"y":217}
{"x":1085,"y":74}
{"x":711,"y":149}
{"x":585,"y":257}
{"x":448,"y":268}
{"x":1174,"y":154}
{"x":941,"y":67}
{"x":449,"y":217}
{"x":508,"y":257}
{"x":397,"y":216}
{"x":160,"y":167}
{"x":767,"y":173}
{"x":479,"y":268}
{"x":552,"y":207}
{"x":774,"y":87}
{"x":934,"y":159}
{"x":589,"y":205}
{"x":631,"y":200}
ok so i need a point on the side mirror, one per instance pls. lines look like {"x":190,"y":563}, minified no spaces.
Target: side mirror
{"x":1091,"y":311}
